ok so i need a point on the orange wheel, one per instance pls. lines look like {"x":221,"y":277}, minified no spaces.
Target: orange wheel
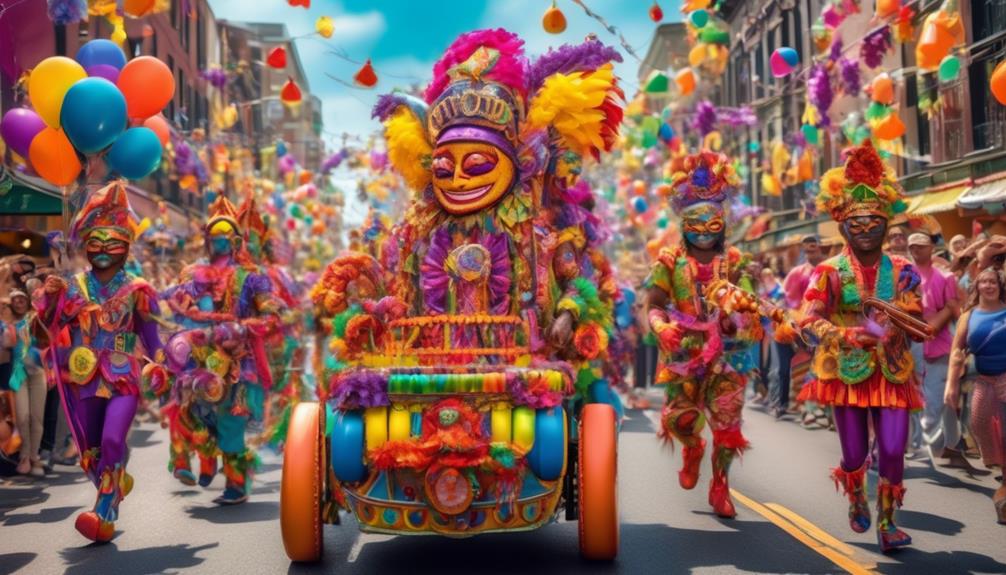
{"x":300,"y":497}
{"x":598,"y":480}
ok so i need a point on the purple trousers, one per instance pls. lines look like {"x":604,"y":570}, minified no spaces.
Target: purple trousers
{"x":102,"y":423}
{"x":890,"y":425}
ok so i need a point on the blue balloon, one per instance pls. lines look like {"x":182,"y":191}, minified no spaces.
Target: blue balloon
{"x":640,"y":204}
{"x":665,"y":133}
{"x":93,"y":114}
{"x":135,"y":154}
{"x":103,"y":52}
{"x":280,"y":149}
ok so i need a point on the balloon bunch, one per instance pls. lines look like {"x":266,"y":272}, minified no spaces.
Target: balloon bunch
{"x":84,"y":107}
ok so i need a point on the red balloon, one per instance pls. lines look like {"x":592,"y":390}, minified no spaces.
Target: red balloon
{"x":277,"y":57}
{"x":656,"y":14}
{"x":148,"y":85}
{"x":290,"y":94}
{"x":159,"y":125}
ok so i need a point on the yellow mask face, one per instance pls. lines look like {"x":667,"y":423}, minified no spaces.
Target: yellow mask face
{"x":470,"y":176}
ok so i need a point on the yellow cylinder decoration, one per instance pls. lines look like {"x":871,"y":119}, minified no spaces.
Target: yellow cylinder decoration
{"x":501,"y":427}
{"x":523,"y":427}
{"x":375,"y":425}
{"x":399,"y":422}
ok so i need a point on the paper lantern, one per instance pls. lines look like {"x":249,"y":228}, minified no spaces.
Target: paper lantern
{"x":882,"y":89}
{"x":783,"y":61}
{"x":290,"y":94}
{"x":554,"y":21}
{"x":997,"y":83}
{"x":365,"y":76}
{"x":656,"y":83}
{"x":890,"y":128}
{"x":941,"y":31}
{"x":277,"y":58}
{"x":656,"y":14}
{"x":685,"y":79}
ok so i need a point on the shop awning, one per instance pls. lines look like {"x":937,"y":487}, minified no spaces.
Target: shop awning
{"x":944,"y":200}
{"x":987,"y":194}
{"x":24,"y":196}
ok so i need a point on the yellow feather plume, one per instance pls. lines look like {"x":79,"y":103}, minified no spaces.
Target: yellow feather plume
{"x":408,"y":149}
{"x":571,"y":103}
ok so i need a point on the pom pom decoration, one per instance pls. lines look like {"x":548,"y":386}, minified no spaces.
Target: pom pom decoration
{"x":874,"y":46}
{"x":554,"y":21}
{"x":409,"y":151}
{"x":656,"y":14}
{"x":276,"y":58}
{"x":290,"y":94}
{"x":819,"y":89}
{"x":704,"y":120}
{"x":997,"y":83}
{"x":783,"y":61}
{"x":365,"y":76}
{"x":849,"y":72}
{"x":510,"y":70}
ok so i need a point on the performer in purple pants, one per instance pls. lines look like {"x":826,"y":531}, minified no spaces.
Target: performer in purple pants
{"x":94,"y":326}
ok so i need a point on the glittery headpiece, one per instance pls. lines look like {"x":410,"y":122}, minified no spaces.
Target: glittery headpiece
{"x":108,"y":209}
{"x":702,"y":177}
{"x":865,"y":186}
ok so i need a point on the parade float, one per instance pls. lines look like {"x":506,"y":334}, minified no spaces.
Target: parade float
{"x":463,"y":352}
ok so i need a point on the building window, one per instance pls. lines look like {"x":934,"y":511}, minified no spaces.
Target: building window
{"x":988,"y":118}
{"x":988,"y":17}
{"x":949,"y":127}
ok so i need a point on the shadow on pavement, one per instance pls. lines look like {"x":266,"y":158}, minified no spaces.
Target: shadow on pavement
{"x":12,"y":562}
{"x":47,"y":515}
{"x":140,"y":438}
{"x":96,"y":558}
{"x":636,"y":422}
{"x":913,"y":560}
{"x":245,"y":513}
{"x":934,"y":477}
{"x":650,"y":548}
{"x":917,"y":520}
{"x":15,"y":498}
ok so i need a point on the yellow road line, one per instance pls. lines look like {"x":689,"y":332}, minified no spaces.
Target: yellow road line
{"x":846,"y":563}
{"x":812,"y":530}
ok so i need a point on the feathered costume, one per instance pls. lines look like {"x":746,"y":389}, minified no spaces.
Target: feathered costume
{"x":858,"y":379}
{"x":705,"y":343}
{"x":94,"y":330}
{"x":466,"y":283}
{"x":225,"y":311}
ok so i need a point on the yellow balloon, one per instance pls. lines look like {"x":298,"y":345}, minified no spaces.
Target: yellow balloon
{"x":324,"y":26}
{"x":48,"y":84}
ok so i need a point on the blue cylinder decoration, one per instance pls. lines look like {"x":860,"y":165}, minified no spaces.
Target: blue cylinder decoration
{"x":548,"y":455}
{"x":347,"y":446}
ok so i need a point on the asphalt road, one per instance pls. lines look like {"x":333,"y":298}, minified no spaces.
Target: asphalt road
{"x":790,"y":520}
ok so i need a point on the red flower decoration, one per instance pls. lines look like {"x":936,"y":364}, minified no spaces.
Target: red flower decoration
{"x":864,"y":166}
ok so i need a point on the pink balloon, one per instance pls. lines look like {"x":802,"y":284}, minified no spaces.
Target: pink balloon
{"x":106,"y":71}
{"x":19,"y":127}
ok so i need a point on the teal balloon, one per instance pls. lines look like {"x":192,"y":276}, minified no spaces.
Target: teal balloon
{"x":135,"y":154}
{"x":699,"y":18}
{"x":662,"y":222}
{"x":93,"y":114}
{"x":950,"y":67}
{"x":754,"y":146}
{"x":810,"y":133}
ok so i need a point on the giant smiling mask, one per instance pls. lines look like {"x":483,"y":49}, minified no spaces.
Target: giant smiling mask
{"x":470,"y":176}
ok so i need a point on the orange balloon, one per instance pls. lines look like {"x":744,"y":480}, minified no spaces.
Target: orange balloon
{"x":138,"y":8}
{"x":697,"y":55}
{"x":887,"y":8}
{"x":53,"y":157}
{"x":160,"y":127}
{"x":147,"y":84}
{"x":306,"y":176}
{"x":998,"y":83}
{"x":554,"y":21}
{"x":882,"y":89}
{"x":890,"y":128}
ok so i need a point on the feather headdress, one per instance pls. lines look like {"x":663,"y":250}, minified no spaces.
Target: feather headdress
{"x":703,"y":177}
{"x":107,"y":208}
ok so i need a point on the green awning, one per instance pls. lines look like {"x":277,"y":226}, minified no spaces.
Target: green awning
{"x":20,"y":197}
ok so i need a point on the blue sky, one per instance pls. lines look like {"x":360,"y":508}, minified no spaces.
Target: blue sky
{"x":405,"y":37}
